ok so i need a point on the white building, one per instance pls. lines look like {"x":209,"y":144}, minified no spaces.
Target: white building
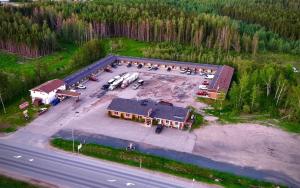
{"x":46,"y":92}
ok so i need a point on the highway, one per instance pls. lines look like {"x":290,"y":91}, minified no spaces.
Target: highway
{"x":72,"y":170}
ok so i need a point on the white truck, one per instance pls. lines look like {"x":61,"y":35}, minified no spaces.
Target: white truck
{"x":118,"y":82}
{"x":133,"y":77}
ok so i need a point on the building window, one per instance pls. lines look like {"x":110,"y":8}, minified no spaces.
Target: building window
{"x":127,"y":115}
{"x":176,"y":123}
{"x":116,"y":113}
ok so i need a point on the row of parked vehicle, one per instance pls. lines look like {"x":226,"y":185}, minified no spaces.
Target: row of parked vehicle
{"x":123,"y":81}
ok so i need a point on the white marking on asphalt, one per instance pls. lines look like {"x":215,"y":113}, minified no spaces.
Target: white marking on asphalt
{"x":111,"y":180}
{"x":17,"y":156}
{"x":31,"y":160}
{"x":129,"y":184}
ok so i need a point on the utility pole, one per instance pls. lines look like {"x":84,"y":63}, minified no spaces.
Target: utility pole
{"x":140,"y":162}
{"x":73,"y":138}
{"x":2,"y":104}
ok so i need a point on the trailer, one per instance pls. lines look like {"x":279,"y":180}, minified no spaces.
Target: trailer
{"x":118,"y":82}
{"x":133,"y":77}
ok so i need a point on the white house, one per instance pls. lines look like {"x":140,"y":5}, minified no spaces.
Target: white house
{"x":46,"y":92}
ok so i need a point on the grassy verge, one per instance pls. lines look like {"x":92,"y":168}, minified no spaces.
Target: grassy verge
{"x":162,"y":165}
{"x":7,"y":182}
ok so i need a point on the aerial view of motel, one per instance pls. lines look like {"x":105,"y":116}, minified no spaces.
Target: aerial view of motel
{"x":142,"y":88}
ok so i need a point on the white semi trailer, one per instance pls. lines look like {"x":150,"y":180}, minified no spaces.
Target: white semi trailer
{"x":133,"y":77}
{"x":118,"y":82}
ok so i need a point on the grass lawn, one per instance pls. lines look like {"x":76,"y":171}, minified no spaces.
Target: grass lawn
{"x":6,"y":182}
{"x":129,"y":47}
{"x":57,"y":61}
{"x":163,"y":165}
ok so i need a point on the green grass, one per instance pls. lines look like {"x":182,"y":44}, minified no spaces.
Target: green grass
{"x":163,"y":165}
{"x":56,"y":62}
{"x":14,"y":117}
{"x":293,"y":127}
{"x":6,"y":182}
{"x":198,"y":121}
{"x":131,"y":47}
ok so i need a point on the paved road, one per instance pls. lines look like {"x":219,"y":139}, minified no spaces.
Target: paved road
{"x":67,"y":170}
{"x":260,"y":174}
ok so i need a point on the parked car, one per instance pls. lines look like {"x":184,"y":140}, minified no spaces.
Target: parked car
{"x":202,"y":93}
{"x":80,"y":86}
{"x":111,"y":81}
{"x":189,"y":72}
{"x":107,"y":70}
{"x":182,"y":71}
{"x":150,"y":68}
{"x":141,"y":82}
{"x":139,"y":66}
{"x":42,"y":110}
{"x":159,"y":129}
{"x":169,"y":69}
{"x":93,"y":78}
{"x":204,"y":87}
{"x":205,"y":83}
{"x":154,"y":68}
{"x":129,"y":65}
{"x":55,"y":102}
{"x":136,"y":86}
{"x":105,"y":87}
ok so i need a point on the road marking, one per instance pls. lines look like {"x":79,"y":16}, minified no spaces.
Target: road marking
{"x":129,"y":184}
{"x":111,"y":180}
{"x":17,"y":156}
{"x":31,"y":160}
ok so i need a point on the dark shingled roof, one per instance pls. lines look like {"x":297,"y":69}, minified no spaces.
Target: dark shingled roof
{"x":142,"y":107}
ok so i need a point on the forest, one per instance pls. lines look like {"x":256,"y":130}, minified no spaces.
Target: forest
{"x":232,"y":32}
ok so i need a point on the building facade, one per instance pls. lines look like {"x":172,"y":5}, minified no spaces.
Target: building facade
{"x":150,"y":112}
{"x":46,"y":92}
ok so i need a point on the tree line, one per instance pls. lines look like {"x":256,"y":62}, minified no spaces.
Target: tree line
{"x":155,"y":21}
{"x":256,"y":87}
{"x":18,"y":34}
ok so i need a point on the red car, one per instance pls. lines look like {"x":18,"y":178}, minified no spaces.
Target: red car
{"x":205,"y":83}
{"x":93,"y":78}
{"x":202,"y":93}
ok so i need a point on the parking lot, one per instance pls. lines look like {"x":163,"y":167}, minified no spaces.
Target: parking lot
{"x":160,"y":84}
{"x":90,"y":115}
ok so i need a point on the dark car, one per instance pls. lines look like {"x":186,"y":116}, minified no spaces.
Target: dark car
{"x":129,"y":65}
{"x":169,"y":69}
{"x":105,"y":87}
{"x":158,"y":129}
{"x":155,"y":68}
{"x":107,"y":70}
{"x":55,"y":102}
{"x":139,"y":66}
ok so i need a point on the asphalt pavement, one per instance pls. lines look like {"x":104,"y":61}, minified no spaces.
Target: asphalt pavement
{"x":72,"y":170}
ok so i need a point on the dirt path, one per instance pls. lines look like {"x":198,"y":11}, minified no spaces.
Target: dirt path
{"x":251,"y":145}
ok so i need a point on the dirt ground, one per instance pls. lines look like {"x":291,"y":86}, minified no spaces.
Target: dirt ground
{"x":178,"y":90}
{"x":251,"y":145}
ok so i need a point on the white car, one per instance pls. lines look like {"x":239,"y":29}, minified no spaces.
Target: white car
{"x":203,"y":87}
{"x":183,"y":71}
{"x":209,"y":76}
{"x":80,"y":86}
